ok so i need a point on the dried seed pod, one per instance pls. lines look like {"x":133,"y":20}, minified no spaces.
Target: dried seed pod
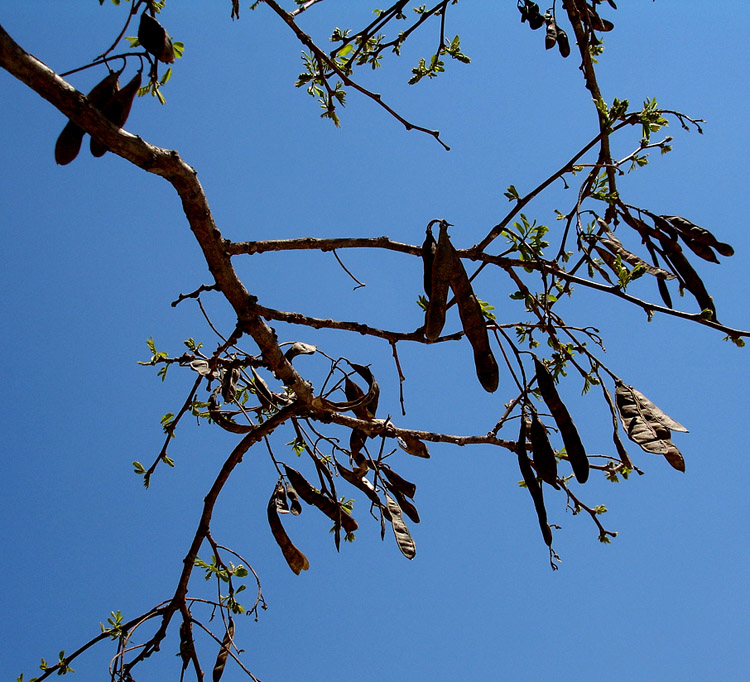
{"x":407,"y":507}
{"x":532,"y":485}
{"x":562,"y":43}
{"x":404,"y":539}
{"x":413,"y":446}
{"x":69,"y":142}
{"x":331,"y":508}
{"x":117,"y":110}
{"x":401,"y":484}
{"x":282,"y":505}
{"x":428,"y":256}
{"x":154,"y":39}
{"x":550,"y":39}
{"x":544,"y":456}
{"x":228,"y":382}
{"x":223,"y":420}
{"x":186,"y":643}
{"x":297,"y":560}
{"x":294,"y":505}
{"x":441,"y":275}
{"x":362,"y":484}
{"x":696,"y":237}
{"x":475,"y":327}
{"x":573,"y":445}
{"x":221,"y":658}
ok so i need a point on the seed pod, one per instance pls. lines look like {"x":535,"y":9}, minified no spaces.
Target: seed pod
{"x":475,"y":327}
{"x":413,"y":446}
{"x":562,"y":43}
{"x":573,"y":445}
{"x":362,"y":484}
{"x":229,"y":380}
{"x":551,"y":37}
{"x":154,"y":39}
{"x":69,"y":142}
{"x":532,"y":485}
{"x":223,"y":420}
{"x":332,"y":509}
{"x":297,"y":560}
{"x":401,"y":484}
{"x":118,"y":110}
{"x":404,"y":539}
{"x":186,"y":642}
{"x":441,"y":275}
{"x":407,"y":507}
{"x":544,"y":456}
{"x":282,"y":505}
{"x":295,"y":507}
{"x":428,"y":256}
{"x":221,"y":658}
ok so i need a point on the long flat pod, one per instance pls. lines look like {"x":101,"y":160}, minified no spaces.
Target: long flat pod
{"x":532,"y":485}
{"x":297,"y":560}
{"x":473,"y":322}
{"x":404,"y":539}
{"x":117,"y":110}
{"x":332,"y":509}
{"x":429,"y":247}
{"x":69,"y":142}
{"x":544,"y":456}
{"x":573,"y":445}
{"x":441,"y":275}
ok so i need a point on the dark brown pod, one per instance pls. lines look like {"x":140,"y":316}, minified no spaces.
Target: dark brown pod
{"x":551,"y":37}
{"x":221,"y":658}
{"x":441,"y":275}
{"x":573,"y":445}
{"x":544,"y":456}
{"x":118,"y":110}
{"x":231,"y":375}
{"x":294,"y":557}
{"x":406,"y":487}
{"x":429,"y":246}
{"x":154,"y":39}
{"x":475,"y":327}
{"x":532,"y":485}
{"x":562,"y":43}
{"x":69,"y":142}
{"x":329,"y":507}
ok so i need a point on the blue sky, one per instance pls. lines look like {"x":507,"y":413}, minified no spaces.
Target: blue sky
{"x":96,"y":251}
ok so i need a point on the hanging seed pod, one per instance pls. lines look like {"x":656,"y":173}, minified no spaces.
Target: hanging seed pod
{"x":154,"y":39}
{"x":544,"y":456}
{"x":228,"y":382}
{"x":69,"y":142}
{"x":475,"y":327}
{"x":297,"y":560}
{"x":562,"y":43}
{"x":294,"y":505}
{"x":429,"y":247}
{"x":441,"y":275}
{"x":282,"y":505}
{"x":221,"y":658}
{"x":573,"y":445}
{"x":118,"y":110}
{"x":404,"y":539}
{"x":406,"y":487}
{"x":532,"y":485}
{"x":407,"y":507}
{"x":332,"y":509}
{"x":551,"y":36}
{"x":186,"y":642}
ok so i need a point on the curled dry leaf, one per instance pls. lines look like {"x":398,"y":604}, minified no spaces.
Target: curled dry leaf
{"x":413,"y":446}
{"x":221,"y":658}
{"x":532,"y":485}
{"x":297,"y":560}
{"x":573,"y":445}
{"x":117,"y":110}
{"x":441,"y":275}
{"x":404,"y":539}
{"x":474,"y":324}
{"x":331,"y":508}
{"x":299,"y":348}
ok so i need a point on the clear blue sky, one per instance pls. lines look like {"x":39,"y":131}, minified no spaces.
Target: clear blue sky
{"x":96,"y":251}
